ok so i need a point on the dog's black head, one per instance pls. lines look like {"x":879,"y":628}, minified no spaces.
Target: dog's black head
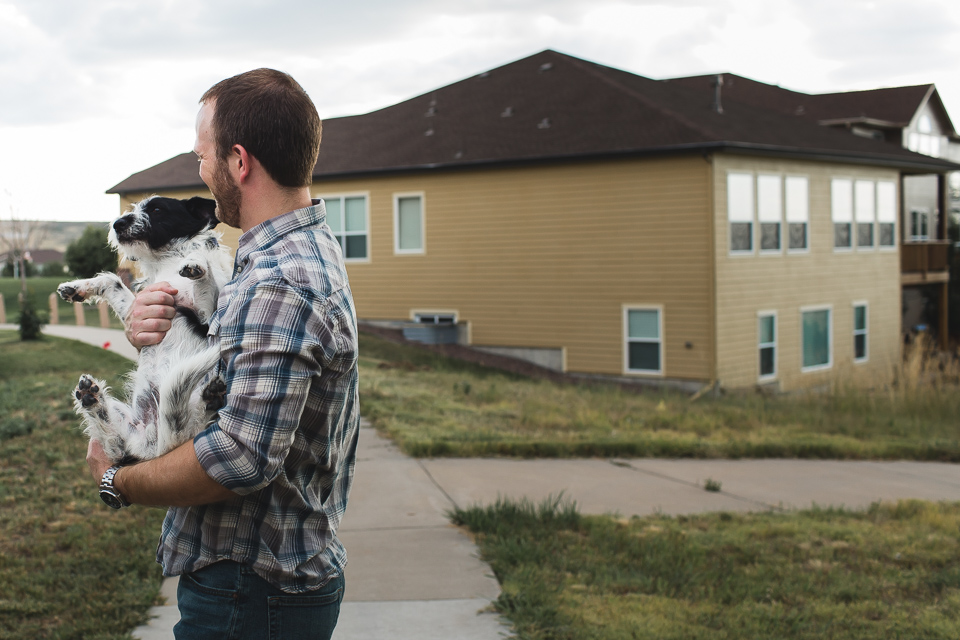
{"x":161,"y":222}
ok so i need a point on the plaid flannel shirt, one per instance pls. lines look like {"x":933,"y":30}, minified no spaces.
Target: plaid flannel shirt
{"x":286,"y":440}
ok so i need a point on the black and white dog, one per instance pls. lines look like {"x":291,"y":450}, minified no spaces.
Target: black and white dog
{"x":173,"y":394}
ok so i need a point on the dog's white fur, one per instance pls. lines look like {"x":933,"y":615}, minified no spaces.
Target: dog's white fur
{"x":166,"y":407}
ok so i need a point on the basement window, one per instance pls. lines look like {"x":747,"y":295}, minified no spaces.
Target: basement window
{"x":435,"y":318}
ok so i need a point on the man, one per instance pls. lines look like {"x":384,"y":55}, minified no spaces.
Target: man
{"x":255,"y":500}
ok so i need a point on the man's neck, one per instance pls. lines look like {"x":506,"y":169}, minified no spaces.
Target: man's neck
{"x":258,"y":207}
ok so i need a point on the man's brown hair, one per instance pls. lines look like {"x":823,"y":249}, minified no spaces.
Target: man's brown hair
{"x":270,"y":115}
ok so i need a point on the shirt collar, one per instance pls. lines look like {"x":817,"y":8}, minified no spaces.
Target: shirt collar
{"x":268,"y":232}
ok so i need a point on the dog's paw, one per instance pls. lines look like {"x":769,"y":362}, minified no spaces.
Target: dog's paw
{"x":213,"y":394}
{"x":193,"y":271}
{"x":87,"y":392}
{"x":71,"y":292}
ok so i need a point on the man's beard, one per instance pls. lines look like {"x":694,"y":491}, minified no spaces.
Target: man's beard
{"x":227,"y":194}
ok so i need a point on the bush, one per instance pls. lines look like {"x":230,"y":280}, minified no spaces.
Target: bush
{"x":30,"y":321}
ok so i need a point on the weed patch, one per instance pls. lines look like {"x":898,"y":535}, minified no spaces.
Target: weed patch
{"x":886,"y":572}
{"x":436,"y":406}
{"x":69,"y":566}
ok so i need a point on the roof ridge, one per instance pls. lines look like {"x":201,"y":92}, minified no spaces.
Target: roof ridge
{"x":590,"y":67}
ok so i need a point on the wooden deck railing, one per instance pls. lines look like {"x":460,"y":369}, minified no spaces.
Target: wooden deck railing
{"x":924,"y":257}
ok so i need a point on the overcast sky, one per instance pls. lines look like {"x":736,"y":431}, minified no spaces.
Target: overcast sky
{"x":95,"y":90}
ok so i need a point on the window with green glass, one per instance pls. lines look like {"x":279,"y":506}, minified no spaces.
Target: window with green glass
{"x":860,"y":332}
{"x":768,"y":345}
{"x":347,"y":219}
{"x":816,"y":338}
{"x":644,"y":341}
{"x":409,"y":224}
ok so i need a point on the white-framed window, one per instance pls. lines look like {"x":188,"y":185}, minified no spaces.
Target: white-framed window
{"x":798,"y":214}
{"x":408,"y":231}
{"x":924,"y":140}
{"x":767,"y":344}
{"x":865,"y":210}
{"x":860,"y":332}
{"x":816,"y":337}
{"x":349,"y":220}
{"x":643,"y":339}
{"x":740,"y":212}
{"x":886,"y":214}
{"x":919,"y":224}
{"x":841,"y":210}
{"x":770,"y":213}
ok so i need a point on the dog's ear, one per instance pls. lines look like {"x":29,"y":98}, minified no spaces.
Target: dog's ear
{"x":204,"y":208}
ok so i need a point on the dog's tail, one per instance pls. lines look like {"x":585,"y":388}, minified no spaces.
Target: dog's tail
{"x":178,"y":411}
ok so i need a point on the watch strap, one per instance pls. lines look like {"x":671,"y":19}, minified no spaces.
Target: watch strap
{"x":109,"y":493}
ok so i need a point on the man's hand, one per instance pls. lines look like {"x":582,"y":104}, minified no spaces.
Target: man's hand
{"x":150,"y":317}
{"x":97,"y":460}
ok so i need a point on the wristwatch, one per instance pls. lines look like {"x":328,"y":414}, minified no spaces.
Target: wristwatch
{"x":109,"y":493}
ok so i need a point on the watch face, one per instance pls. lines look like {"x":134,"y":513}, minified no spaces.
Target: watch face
{"x":111,"y":500}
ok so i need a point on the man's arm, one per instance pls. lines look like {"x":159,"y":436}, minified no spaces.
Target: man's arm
{"x":151,"y":315}
{"x":175,"y":479}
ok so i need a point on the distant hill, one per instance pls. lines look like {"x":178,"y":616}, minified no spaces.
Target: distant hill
{"x":60,"y":234}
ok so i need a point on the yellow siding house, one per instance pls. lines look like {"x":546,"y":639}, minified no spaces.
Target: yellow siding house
{"x":601,"y":223}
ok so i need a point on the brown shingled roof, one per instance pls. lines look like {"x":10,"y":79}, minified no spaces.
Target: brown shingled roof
{"x":892,"y":106}
{"x":552,"y":106}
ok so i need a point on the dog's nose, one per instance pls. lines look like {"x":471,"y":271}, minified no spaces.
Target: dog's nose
{"x":122,"y":224}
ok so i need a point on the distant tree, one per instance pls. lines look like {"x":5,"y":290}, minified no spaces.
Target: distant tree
{"x":52,"y":269}
{"x":12,"y":269}
{"x":19,"y":236}
{"x":90,"y":254}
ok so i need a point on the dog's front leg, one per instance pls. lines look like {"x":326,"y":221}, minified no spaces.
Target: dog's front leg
{"x":196,"y":267}
{"x":106,"y":286}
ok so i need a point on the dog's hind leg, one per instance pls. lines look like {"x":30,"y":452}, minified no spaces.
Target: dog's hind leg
{"x":105,"y":419}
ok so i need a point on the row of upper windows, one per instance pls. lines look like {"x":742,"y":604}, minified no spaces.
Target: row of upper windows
{"x":349,"y":221}
{"x":762,"y":209}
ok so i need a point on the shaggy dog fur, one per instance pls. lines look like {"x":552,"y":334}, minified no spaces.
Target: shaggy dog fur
{"x":174,"y":241}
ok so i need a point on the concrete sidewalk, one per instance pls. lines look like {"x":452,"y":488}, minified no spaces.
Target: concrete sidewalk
{"x":412,"y":575}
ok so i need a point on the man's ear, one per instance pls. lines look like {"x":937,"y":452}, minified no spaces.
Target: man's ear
{"x":204,"y":208}
{"x":242,"y":161}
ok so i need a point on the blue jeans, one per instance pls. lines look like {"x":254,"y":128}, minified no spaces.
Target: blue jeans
{"x":229,"y":601}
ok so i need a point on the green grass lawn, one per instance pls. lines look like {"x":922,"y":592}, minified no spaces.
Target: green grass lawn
{"x":39,"y":289}
{"x":887,"y":572}
{"x":435,"y":406}
{"x":70,"y":567}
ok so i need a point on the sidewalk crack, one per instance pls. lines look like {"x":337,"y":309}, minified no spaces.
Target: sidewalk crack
{"x":624,"y":464}
{"x":437,"y":485}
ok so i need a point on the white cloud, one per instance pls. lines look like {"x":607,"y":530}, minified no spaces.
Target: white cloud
{"x":95,"y":90}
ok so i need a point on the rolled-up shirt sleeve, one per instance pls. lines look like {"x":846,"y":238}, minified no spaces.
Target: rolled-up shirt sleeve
{"x":269,"y":341}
